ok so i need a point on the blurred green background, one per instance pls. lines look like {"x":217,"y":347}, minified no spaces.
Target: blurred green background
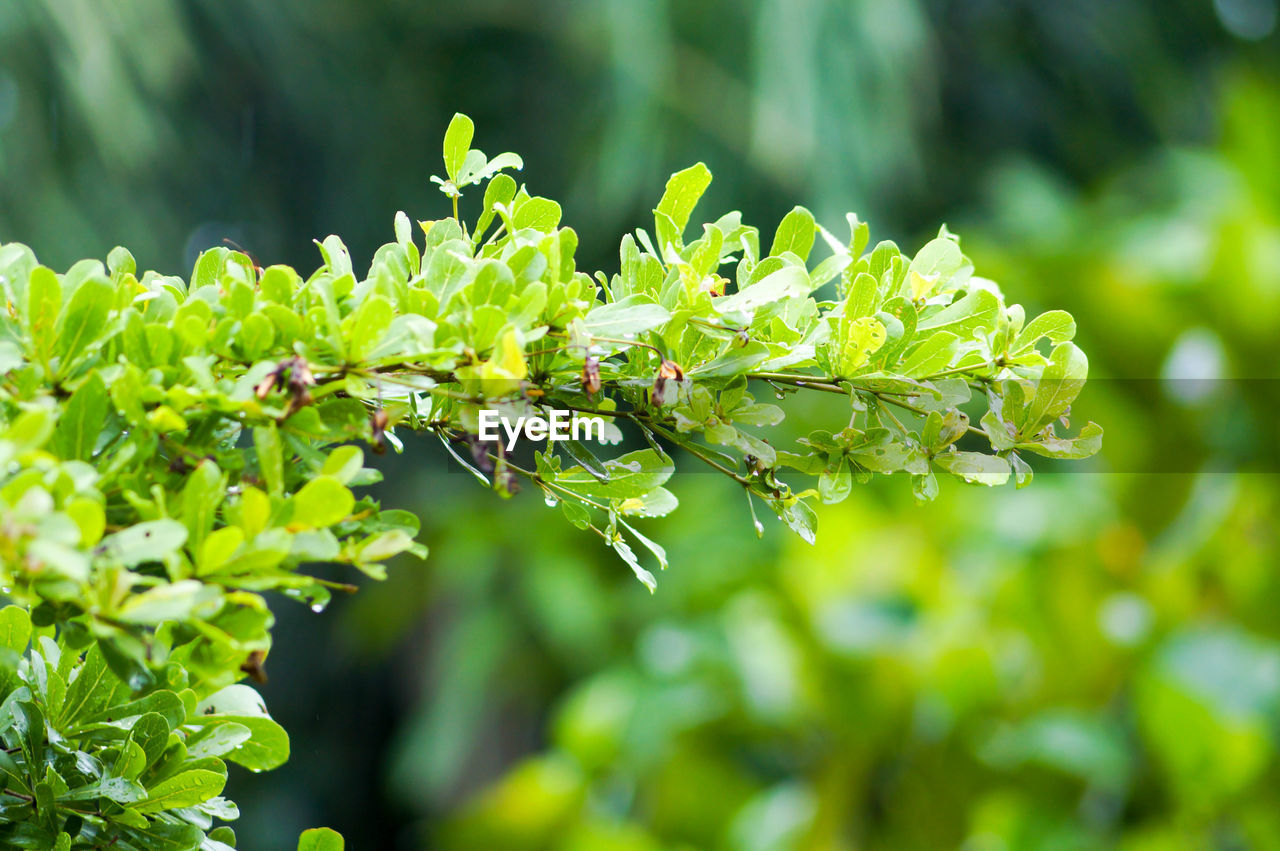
{"x":1091,"y":662}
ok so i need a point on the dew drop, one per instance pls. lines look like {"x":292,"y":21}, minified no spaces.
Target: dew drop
{"x":317,"y":607}
{"x":759,"y":528}
{"x":779,"y":394}
{"x":551,"y":501}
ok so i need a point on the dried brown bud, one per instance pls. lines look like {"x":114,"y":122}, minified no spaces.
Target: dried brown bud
{"x":300,"y":376}
{"x":266,"y":385}
{"x":591,"y":375}
{"x":378,"y":422}
{"x":298,"y":379}
{"x":253,"y":666}
{"x":667,"y":382}
{"x":480,"y":452}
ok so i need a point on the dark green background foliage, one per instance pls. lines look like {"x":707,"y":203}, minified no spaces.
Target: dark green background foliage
{"x":1090,"y":661}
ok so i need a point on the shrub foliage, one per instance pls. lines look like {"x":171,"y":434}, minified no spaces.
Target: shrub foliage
{"x":170,"y":450}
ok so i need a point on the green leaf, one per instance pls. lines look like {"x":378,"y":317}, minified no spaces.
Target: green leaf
{"x":628,"y":555}
{"x":126,"y":393}
{"x":735,"y":361}
{"x":236,"y":699}
{"x":164,"y":836}
{"x":218,"y":548}
{"x":585,"y":457}
{"x":977,"y":310}
{"x":368,"y":325}
{"x":117,"y":789}
{"x":44,"y":303}
{"x":632,"y":475}
{"x":975,"y":467}
{"x":830,"y":269}
{"x":924,"y":487}
{"x":931,"y":356}
{"x":321,"y":502}
{"x":256,"y":336}
{"x":29,"y":430}
{"x":126,"y":656}
{"x":409,"y":337}
{"x":457,"y":141}
{"x":1084,"y":445}
{"x":836,"y":482}
{"x":862,"y":295}
{"x":183,"y":789}
{"x":541,"y":214}
{"x":501,"y":191}
{"x":344,"y":463}
{"x":12,"y":776}
{"x":1058,"y":325}
{"x":120,"y":262}
{"x":859,"y":234}
{"x":627,"y":318}
{"x":225,"y":835}
{"x":15,"y":628}
{"x":658,"y":502}
{"x":795,"y":233}
{"x":171,"y":601}
{"x":201,"y":496}
{"x":162,"y":702}
{"x":684,"y":188}
{"x":997,"y":432}
{"x":266,"y":748}
{"x":320,"y":839}
{"x":943,"y":429}
{"x":936,"y":267}
{"x":786,"y":283}
{"x":28,"y":723}
{"x":382,"y":546}
{"x":154,"y":540}
{"x":852,"y":343}
{"x":94,"y":688}
{"x":1059,"y":385}
{"x":150,"y":732}
{"x":799,"y":517}
{"x":82,"y":320}
{"x":575,"y":513}
{"x":652,"y":546}
{"x":270,"y":450}
{"x":216,"y":740}
{"x":482,"y":169}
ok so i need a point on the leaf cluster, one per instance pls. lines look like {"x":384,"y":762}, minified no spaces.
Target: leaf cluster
{"x":171,"y":450}
{"x":89,"y":761}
